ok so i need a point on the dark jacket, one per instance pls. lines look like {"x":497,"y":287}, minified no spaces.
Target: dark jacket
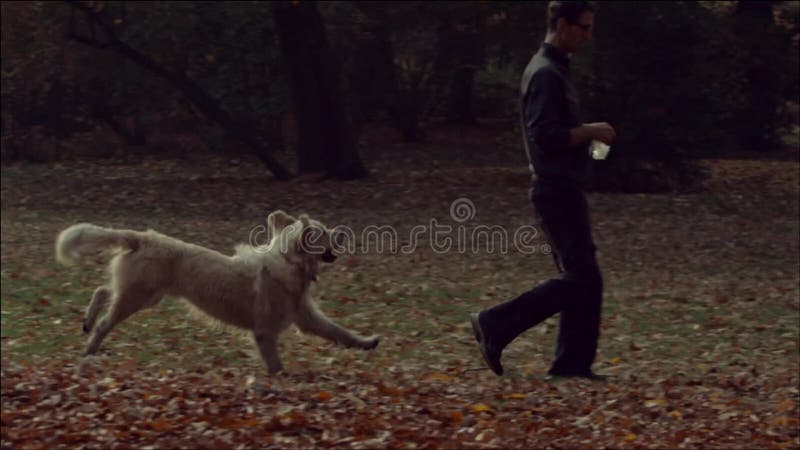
{"x":549,"y":109}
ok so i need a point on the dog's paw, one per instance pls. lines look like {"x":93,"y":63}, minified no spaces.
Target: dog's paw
{"x":85,"y":327}
{"x":371,"y":342}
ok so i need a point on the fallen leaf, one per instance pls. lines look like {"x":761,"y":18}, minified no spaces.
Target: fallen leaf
{"x":160,"y":425}
{"x":786,"y":405}
{"x":784,"y":421}
{"x":437,"y":377}
{"x":480,"y":407}
{"x":387,"y":390}
{"x":515,"y":396}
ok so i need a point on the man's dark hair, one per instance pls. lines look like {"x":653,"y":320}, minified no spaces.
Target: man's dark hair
{"x":570,"y":10}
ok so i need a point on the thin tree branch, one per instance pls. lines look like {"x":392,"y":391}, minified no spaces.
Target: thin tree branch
{"x":179,"y":80}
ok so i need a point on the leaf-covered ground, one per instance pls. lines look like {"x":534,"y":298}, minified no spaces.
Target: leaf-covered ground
{"x":700,"y":325}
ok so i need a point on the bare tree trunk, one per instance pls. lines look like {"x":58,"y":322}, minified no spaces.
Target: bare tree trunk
{"x":375,"y":70}
{"x":325,"y":135}
{"x":194,"y":93}
{"x":461,"y":53}
{"x":756,"y":125}
{"x":372,"y":72}
{"x":459,"y":104}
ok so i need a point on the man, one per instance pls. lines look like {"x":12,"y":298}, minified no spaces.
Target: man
{"x":557,"y":143}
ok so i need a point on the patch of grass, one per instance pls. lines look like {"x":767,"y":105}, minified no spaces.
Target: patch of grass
{"x":42,"y":315}
{"x":31,"y":303}
{"x":420,"y":304}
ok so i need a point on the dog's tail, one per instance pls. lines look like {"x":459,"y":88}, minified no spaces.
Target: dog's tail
{"x":83,"y":238}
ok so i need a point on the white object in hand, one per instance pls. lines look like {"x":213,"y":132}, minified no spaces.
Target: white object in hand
{"x":599,"y":150}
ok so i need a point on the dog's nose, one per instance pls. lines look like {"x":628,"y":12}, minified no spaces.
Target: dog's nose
{"x":328,"y":256}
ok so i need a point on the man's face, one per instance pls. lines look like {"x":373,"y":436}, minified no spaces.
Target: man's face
{"x":574,"y":35}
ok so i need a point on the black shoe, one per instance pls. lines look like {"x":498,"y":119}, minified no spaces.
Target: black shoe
{"x":490,"y":354}
{"x":589,"y":375}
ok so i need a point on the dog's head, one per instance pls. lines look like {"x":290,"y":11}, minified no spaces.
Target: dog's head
{"x":304,"y":236}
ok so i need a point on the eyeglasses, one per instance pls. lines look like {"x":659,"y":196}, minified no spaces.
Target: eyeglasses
{"x":583,"y":26}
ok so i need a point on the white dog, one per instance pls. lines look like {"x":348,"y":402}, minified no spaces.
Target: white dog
{"x":263,"y":289}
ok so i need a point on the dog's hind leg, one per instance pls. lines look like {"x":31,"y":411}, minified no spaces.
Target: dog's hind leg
{"x":125,"y":305}
{"x":268,"y":347}
{"x":311,"y":320}
{"x":99,"y":300}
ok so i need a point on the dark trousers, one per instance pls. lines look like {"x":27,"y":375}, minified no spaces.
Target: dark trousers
{"x":576,"y":293}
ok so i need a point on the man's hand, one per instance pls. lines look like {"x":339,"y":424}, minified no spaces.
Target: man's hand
{"x":601,"y":131}
{"x":598,"y":131}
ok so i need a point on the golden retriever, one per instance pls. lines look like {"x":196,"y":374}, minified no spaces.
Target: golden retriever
{"x":260,"y":289}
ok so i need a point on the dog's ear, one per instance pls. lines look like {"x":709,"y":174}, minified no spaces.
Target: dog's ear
{"x":306,"y":234}
{"x":306,"y":222}
{"x":277,"y":221}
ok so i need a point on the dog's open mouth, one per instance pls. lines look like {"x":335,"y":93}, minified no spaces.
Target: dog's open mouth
{"x":328,"y":256}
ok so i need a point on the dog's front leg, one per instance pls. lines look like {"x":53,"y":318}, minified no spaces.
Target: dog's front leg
{"x":268,"y":347}
{"x":311,"y":320}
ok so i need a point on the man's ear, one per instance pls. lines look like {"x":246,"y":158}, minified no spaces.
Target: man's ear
{"x":277,"y":221}
{"x":561,"y":24}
